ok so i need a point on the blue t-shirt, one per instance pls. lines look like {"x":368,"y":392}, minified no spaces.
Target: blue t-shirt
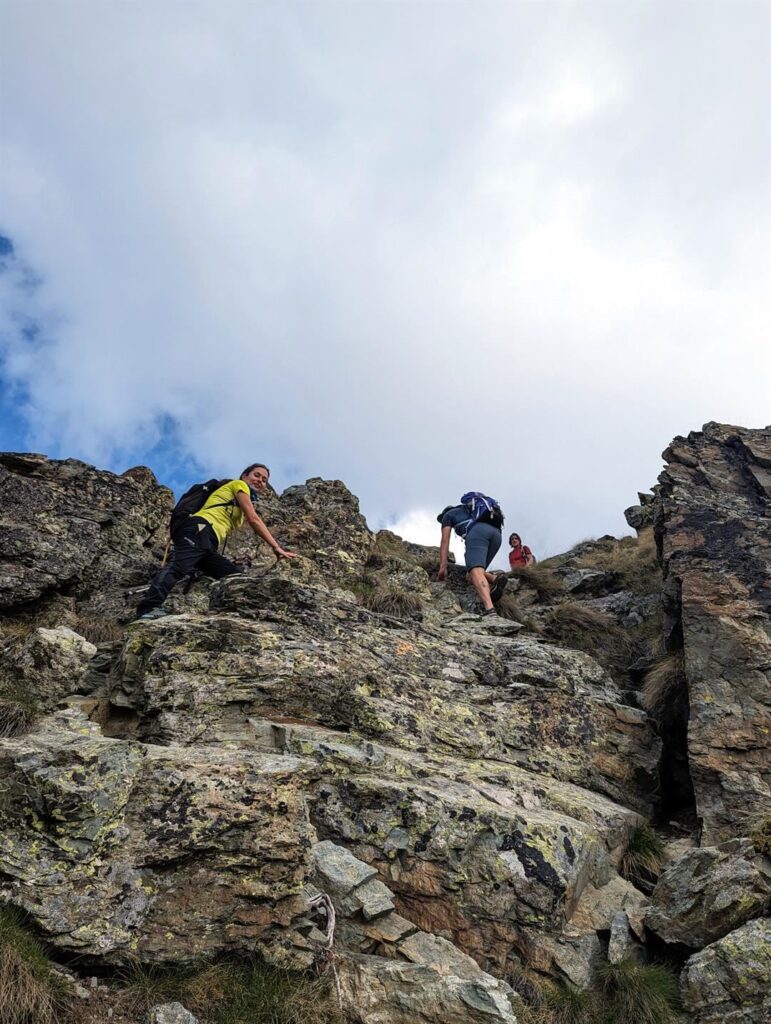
{"x":457,"y":517}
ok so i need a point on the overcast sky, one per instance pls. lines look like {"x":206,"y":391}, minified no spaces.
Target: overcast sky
{"x":421,"y":247}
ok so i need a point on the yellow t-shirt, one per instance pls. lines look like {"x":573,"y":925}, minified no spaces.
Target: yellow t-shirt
{"x":226,"y":517}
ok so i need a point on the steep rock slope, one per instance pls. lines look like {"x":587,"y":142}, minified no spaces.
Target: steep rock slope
{"x":463,"y":790}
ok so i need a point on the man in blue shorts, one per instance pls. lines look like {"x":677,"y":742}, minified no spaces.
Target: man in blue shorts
{"x":482,"y":543}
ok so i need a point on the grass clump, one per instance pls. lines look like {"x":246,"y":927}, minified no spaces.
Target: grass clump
{"x":30,"y":991}
{"x":663,"y":680}
{"x":643,"y":856}
{"x":99,"y":631}
{"x":18,"y":712}
{"x":388,"y":599}
{"x":575,"y":624}
{"x":635,"y":993}
{"x":571,"y":1005}
{"x":245,"y":992}
{"x":540,"y":579}
{"x":633,"y":560}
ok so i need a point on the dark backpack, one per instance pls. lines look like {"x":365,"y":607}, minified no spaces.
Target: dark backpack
{"x":194,"y":499}
{"x":482,"y":509}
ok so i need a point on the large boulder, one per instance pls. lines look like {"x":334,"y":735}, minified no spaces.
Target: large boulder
{"x":713,"y":518}
{"x":708,"y":892}
{"x":119,"y":850}
{"x":42,"y":667}
{"x":729,"y":982}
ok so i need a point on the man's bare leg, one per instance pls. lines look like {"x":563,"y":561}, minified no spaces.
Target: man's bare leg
{"x":478,"y":579}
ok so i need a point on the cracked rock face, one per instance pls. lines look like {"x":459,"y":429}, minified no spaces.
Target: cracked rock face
{"x":713,"y":516}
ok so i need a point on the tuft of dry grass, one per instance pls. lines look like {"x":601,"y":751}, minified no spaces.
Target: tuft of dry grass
{"x":573,"y":622}
{"x":30,"y":991}
{"x":17,"y":715}
{"x":633,"y":559}
{"x":99,"y":631}
{"x":12,"y":629}
{"x":663,"y":680}
{"x":540,"y":579}
{"x":508,"y":608}
{"x":388,"y":599}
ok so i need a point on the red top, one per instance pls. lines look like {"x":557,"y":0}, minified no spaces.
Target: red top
{"x":518,"y":557}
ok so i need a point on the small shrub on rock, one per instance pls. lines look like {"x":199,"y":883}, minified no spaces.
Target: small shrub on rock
{"x":761,"y":836}
{"x":30,"y":991}
{"x":635,"y":993}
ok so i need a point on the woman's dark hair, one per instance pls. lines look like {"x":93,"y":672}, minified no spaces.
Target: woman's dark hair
{"x":256,"y":465}
{"x":515,"y":535}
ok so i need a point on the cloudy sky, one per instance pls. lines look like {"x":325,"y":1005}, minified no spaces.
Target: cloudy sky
{"x":423,"y":247}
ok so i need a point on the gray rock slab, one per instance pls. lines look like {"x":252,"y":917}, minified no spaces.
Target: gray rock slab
{"x":729,"y":982}
{"x":708,"y":892}
{"x":339,"y":869}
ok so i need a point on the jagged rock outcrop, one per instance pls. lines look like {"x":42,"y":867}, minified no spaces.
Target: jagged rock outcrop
{"x":76,"y":533}
{"x":713,"y":519}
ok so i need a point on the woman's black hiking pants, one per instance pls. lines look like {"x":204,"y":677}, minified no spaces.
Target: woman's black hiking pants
{"x":195,"y":547}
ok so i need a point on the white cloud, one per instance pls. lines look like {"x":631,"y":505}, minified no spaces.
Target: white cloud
{"x":423,"y":248}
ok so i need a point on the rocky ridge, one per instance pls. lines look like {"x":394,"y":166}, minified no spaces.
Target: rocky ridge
{"x":464,"y":791}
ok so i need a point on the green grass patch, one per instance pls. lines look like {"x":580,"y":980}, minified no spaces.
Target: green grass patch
{"x":246,"y":992}
{"x":635,"y":993}
{"x":643,"y":856}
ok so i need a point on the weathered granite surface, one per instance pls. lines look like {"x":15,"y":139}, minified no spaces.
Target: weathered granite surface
{"x":69,"y":527}
{"x":729,"y":982}
{"x":713,"y":518}
{"x":710,"y":891}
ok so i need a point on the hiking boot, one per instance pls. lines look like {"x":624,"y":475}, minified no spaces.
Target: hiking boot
{"x":154,"y":613}
{"x":488,"y":611}
{"x":497,"y":587}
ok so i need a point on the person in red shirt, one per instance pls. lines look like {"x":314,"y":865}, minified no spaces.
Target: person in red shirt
{"x":520,"y":556}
